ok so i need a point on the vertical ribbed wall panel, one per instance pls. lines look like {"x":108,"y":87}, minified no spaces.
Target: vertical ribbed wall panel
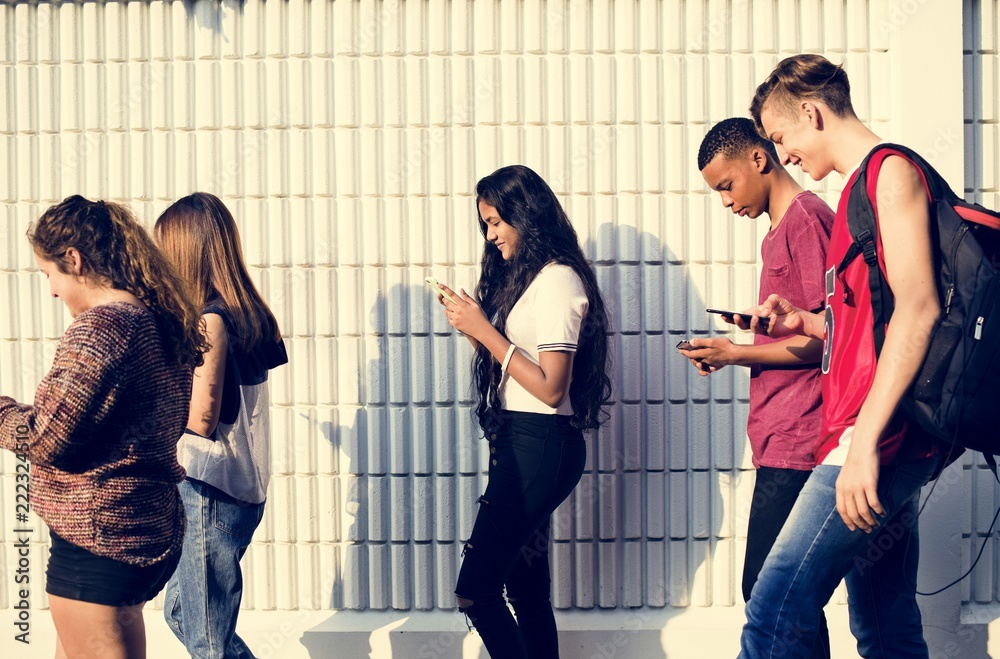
{"x":981,"y":493}
{"x":347,"y":138}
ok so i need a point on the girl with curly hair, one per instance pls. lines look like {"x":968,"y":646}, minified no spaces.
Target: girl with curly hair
{"x":101,"y":435}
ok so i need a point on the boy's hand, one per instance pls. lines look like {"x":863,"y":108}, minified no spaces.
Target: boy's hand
{"x":784,"y":318}
{"x":857,"y":490}
{"x":709,"y":355}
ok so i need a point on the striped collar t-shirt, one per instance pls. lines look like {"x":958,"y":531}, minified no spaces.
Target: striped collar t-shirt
{"x":547,"y":317}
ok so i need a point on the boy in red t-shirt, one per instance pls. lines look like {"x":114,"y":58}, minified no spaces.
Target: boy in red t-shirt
{"x":784,"y":373}
{"x":855,"y":518}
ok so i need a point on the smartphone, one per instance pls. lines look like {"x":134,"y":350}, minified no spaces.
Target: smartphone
{"x":685,"y":345}
{"x":437,"y":286}
{"x":764,"y":321}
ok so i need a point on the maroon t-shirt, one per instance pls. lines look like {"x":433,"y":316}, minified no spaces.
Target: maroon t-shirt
{"x":785,"y":414}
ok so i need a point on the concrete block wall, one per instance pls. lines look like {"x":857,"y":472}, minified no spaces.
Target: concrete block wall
{"x":346,"y":137}
{"x":981,"y":490}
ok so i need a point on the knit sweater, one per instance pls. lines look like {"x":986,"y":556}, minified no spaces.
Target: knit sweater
{"x":102,"y":437}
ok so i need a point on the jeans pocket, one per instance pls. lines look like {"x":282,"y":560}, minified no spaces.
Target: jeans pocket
{"x":905,"y":481}
{"x":235,"y":520}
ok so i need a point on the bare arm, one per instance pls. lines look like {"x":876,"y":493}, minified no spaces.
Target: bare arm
{"x":206,"y":389}
{"x":548,"y":381}
{"x":904,"y":225}
{"x":718,"y":352}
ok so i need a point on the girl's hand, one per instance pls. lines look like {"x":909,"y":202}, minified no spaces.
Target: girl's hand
{"x":466,"y":316}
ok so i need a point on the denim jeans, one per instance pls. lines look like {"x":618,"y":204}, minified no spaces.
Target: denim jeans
{"x":535,"y":462}
{"x":203,"y":596}
{"x":774,"y":494}
{"x":815,"y":550}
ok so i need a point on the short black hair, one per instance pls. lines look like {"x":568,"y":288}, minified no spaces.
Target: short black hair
{"x":732,"y":137}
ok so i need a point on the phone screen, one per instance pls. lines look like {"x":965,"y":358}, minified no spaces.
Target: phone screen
{"x":437,"y":287}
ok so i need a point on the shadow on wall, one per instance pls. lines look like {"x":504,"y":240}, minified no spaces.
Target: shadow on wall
{"x":672,"y":452}
{"x":637,"y":533}
{"x":398,"y":460}
{"x":212,"y":15}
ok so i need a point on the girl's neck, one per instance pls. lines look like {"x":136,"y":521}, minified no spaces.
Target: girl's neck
{"x":107,"y":295}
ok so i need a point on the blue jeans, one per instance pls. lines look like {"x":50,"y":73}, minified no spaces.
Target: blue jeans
{"x":774,"y":494}
{"x":535,"y":462}
{"x":815,"y":550}
{"x":203,"y":596}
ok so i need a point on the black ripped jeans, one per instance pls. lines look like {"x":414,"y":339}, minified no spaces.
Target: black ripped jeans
{"x":535,"y":462}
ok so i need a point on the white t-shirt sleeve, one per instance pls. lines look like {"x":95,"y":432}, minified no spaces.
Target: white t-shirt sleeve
{"x":560,"y":308}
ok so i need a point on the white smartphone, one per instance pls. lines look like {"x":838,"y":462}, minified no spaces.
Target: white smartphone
{"x":437,"y":286}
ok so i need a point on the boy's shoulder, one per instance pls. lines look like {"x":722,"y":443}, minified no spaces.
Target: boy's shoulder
{"x":807,"y":208}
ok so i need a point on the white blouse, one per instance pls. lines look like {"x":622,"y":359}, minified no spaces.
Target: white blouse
{"x":546,"y":318}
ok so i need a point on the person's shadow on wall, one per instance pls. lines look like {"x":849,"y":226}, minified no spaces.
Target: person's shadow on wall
{"x":641,"y":531}
{"x":656,"y":500}
{"x":665,"y":477}
{"x":408,"y":463}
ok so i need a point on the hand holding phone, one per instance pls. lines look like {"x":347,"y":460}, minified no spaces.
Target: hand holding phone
{"x":763,"y":321}
{"x":437,"y":286}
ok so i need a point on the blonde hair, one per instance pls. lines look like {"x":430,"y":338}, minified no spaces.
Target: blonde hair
{"x":113,"y":246}
{"x":199,"y":236}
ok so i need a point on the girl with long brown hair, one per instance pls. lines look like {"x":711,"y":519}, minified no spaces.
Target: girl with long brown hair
{"x":226,"y":446}
{"x":101,"y":435}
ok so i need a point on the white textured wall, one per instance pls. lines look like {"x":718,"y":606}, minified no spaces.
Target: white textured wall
{"x":347,"y":138}
{"x":981,"y":185}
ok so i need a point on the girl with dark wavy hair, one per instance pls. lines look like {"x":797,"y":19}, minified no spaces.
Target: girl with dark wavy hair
{"x":101,"y":436}
{"x":539,"y":328}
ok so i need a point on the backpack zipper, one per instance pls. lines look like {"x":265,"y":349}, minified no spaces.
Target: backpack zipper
{"x":962,"y":230}
{"x":978,"y":333}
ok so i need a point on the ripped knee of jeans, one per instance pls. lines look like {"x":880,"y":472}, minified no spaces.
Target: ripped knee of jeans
{"x":465,"y":608}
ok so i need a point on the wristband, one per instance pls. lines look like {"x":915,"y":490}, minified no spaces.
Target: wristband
{"x":506,"y":358}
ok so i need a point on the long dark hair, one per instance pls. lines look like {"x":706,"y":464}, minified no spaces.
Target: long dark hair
{"x":115,"y":247}
{"x":199,"y":236}
{"x":526,"y":202}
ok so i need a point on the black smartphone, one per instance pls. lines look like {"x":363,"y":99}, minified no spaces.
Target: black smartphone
{"x":685,"y":345}
{"x":763,"y":320}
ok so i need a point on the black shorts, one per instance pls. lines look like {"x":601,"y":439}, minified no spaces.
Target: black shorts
{"x":78,"y":574}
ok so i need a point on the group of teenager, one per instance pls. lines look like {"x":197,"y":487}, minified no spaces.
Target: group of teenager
{"x":149,"y":437}
{"x":161,"y":375}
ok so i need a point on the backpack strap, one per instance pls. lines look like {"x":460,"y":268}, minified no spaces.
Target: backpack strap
{"x":991,"y":462}
{"x":862,"y":222}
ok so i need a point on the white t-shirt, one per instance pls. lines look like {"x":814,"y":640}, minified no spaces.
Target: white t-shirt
{"x":546,"y":318}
